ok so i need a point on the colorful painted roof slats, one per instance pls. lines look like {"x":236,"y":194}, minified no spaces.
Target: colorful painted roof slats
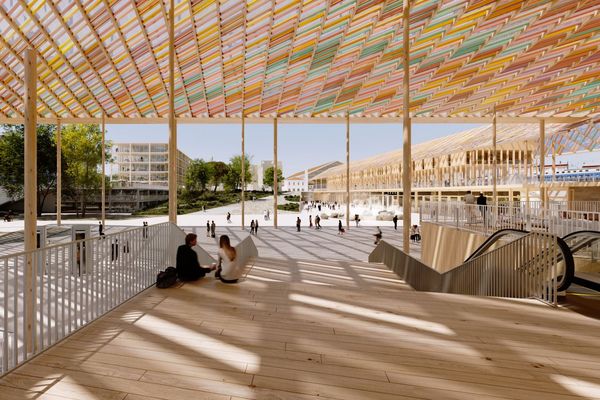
{"x":302,"y":58}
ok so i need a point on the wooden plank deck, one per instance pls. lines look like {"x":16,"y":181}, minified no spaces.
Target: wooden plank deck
{"x":318,"y":330}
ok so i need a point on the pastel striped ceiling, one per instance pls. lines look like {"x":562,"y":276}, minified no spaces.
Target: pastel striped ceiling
{"x":303,"y":58}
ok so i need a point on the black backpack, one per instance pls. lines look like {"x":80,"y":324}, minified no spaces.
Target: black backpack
{"x":166,"y":278}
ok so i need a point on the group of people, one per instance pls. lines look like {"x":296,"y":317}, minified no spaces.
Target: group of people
{"x":317,"y":224}
{"x":267,"y":215}
{"x":254,"y":227}
{"x":188,"y":268}
{"x":321,"y":205}
{"x":211,"y":229}
{"x":481,"y":202}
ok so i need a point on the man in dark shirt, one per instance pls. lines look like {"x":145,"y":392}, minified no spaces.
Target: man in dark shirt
{"x":188,"y":268}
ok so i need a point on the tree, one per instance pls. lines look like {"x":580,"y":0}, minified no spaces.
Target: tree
{"x":12,"y":162}
{"x":197,"y":176}
{"x":268,"y":178}
{"x":82,"y":149}
{"x":217,"y":171}
{"x":233,"y":180}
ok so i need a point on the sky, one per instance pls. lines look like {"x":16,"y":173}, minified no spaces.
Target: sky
{"x":299,"y":146}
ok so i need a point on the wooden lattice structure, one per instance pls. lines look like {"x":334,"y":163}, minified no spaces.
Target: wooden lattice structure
{"x":302,"y":59}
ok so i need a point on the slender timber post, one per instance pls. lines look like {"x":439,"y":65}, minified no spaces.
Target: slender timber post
{"x":347,"y":170}
{"x":495,"y":160}
{"x":30,"y":198}
{"x":103,"y":170}
{"x":542,"y":161}
{"x":172,"y":121}
{"x":243,"y":170}
{"x":406,"y":150}
{"x":553,"y":160}
{"x":58,"y":172}
{"x":275,"y":183}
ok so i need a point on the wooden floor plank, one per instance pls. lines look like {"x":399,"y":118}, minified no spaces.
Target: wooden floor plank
{"x":362,"y":335}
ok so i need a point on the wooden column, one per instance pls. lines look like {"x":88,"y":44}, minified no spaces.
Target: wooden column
{"x":406,"y":142}
{"x":553,"y":161}
{"x":542,"y":161}
{"x":172,"y":121}
{"x":275,"y":191}
{"x":30,"y":197}
{"x":243,"y":170}
{"x":347,"y":170}
{"x":494,"y":161}
{"x":103,"y":170}
{"x":58,"y":172}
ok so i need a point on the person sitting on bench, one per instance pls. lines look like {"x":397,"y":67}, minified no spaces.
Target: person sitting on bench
{"x":187,"y":266}
{"x":227,"y":271}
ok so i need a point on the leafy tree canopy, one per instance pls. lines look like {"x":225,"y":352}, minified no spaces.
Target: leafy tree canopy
{"x":268,"y":177}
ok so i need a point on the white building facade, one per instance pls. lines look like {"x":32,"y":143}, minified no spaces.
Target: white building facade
{"x":144,"y":165}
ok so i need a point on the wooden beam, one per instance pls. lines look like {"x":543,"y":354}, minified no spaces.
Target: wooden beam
{"x":275,"y":188}
{"x":172,"y":120}
{"x":30,"y":197}
{"x":58,"y":172}
{"x":103,"y":189}
{"x":494,"y":160}
{"x":406,"y":136}
{"x":243,"y":157}
{"x":347,"y":170}
{"x":340,"y":120}
{"x":542,"y":161}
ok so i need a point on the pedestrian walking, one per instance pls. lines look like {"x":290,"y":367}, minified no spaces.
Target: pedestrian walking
{"x":256,"y":227}
{"x":395,"y":222}
{"x":298,"y":222}
{"x":213,"y":228}
{"x":310,"y":223}
{"x":207,"y":228}
{"x":100,"y":228}
{"x":252,"y":227}
{"x":317,"y":222}
{"x":228,"y":217}
{"x":341,"y":229}
{"x":378,"y":235}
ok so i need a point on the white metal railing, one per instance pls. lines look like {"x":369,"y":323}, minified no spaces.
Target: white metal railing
{"x":524,"y":268}
{"x":48,"y":293}
{"x":488,"y":219}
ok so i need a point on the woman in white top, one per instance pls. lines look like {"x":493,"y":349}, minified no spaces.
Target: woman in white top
{"x":227,"y":270}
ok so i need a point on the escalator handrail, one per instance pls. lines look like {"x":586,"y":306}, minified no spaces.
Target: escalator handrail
{"x":489,"y":242}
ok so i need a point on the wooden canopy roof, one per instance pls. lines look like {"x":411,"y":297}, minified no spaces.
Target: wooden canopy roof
{"x":509,"y":137}
{"x":302,"y":58}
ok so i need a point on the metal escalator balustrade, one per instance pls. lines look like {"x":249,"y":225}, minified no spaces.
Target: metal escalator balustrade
{"x":523,"y":268}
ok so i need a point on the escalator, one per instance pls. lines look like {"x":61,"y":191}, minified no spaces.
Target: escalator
{"x":566,"y":263}
{"x":569,"y":245}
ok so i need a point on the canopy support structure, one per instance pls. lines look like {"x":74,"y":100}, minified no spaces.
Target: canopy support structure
{"x":243,"y":170}
{"x":172,"y":120}
{"x":30,"y":198}
{"x":275,"y":169}
{"x":102,"y":147}
{"x":348,"y":170}
{"x":58,"y":172}
{"x":406,"y":136}
{"x":494,"y":159}
{"x":542,"y":162}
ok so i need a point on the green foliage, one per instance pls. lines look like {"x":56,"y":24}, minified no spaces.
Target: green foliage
{"x":268,"y":177}
{"x":197,"y":175}
{"x":217,"y":171}
{"x":12,"y":161}
{"x":292,"y":198}
{"x":288,"y":207}
{"x":233,"y":179}
{"x":82,"y":149}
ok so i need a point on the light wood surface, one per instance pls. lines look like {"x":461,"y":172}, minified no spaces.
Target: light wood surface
{"x":315,"y":329}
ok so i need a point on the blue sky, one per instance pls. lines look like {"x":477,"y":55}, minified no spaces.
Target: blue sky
{"x":300,"y":146}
